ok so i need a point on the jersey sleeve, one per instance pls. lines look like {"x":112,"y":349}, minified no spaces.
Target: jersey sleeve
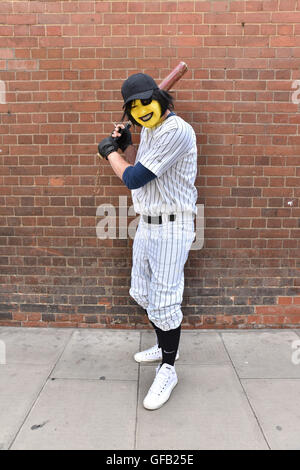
{"x":137,"y":176}
{"x":167,"y":149}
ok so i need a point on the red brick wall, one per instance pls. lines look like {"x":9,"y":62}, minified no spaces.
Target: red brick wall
{"x":62,"y":64}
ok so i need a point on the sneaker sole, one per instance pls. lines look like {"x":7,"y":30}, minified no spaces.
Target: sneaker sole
{"x":162,"y":404}
{"x":150,"y":360}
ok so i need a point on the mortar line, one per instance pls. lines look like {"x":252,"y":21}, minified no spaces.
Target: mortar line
{"x":41,"y":390}
{"x":245,"y":393}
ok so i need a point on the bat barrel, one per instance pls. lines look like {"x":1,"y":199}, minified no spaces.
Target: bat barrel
{"x":174,"y":76}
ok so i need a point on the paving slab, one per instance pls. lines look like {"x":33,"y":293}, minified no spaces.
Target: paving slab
{"x":91,"y":354}
{"x":81,"y":389}
{"x":195,"y":347}
{"x":262,"y":354}
{"x":34,"y":345}
{"x":81,"y":415}
{"x":20,"y":385}
{"x":276,"y":404}
{"x":208,"y":410}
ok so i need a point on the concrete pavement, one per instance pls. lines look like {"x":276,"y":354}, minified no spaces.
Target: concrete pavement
{"x":81,"y":389}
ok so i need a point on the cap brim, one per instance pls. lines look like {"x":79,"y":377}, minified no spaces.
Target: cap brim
{"x":144,"y":95}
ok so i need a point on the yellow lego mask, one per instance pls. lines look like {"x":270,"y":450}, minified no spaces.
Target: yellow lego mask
{"x":146,"y":112}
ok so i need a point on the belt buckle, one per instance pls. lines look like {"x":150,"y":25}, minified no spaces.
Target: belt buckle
{"x":156,"y":219}
{"x":153,"y":219}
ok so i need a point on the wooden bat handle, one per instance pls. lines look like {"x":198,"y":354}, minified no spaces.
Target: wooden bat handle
{"x":174,"y":76}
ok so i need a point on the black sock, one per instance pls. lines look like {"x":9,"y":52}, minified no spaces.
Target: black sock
{"x":169,"y":341}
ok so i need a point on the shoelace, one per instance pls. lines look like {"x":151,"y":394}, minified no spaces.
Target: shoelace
{"x":160,"y":382}
{"x":153,"y":351}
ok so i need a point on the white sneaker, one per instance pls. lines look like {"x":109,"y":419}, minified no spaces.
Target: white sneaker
{"x":153,"y":354}
{"x":161,"y":389}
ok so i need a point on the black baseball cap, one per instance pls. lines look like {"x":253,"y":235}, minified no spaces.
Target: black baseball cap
{"x":139,"y":86}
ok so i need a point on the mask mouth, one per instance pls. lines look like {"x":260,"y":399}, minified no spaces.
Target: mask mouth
{"x":147,"y":117}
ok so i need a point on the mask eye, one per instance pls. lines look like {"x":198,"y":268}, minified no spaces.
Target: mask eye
{"x":146,"y":102}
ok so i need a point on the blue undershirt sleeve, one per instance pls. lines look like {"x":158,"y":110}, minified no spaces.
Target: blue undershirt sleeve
{"x":137,"y":176}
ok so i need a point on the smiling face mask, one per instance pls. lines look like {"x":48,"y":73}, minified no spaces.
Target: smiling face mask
{"x":147,"y":112}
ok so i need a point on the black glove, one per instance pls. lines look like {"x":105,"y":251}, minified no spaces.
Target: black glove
{"x":125,"y":139}
{"x":107,"y":146}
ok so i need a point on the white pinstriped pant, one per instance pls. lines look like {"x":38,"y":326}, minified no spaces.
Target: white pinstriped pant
{"x":157,"y":277}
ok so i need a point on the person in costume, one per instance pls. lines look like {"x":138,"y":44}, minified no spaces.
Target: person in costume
{"x":161,"y":173}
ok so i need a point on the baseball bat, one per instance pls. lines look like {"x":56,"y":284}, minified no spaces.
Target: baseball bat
{"x":173,"y":77}
{"x":167,"y":83}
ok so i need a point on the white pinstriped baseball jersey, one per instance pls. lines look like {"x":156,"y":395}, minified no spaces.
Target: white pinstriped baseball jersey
{"x":170,"y":152}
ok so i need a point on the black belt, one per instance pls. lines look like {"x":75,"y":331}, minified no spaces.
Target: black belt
{"x":157,"y":219}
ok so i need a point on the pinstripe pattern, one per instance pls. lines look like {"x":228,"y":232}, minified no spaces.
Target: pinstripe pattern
{"x":160,"y":251}
{"x":157,"y":279}
{"x":170,"y":152}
